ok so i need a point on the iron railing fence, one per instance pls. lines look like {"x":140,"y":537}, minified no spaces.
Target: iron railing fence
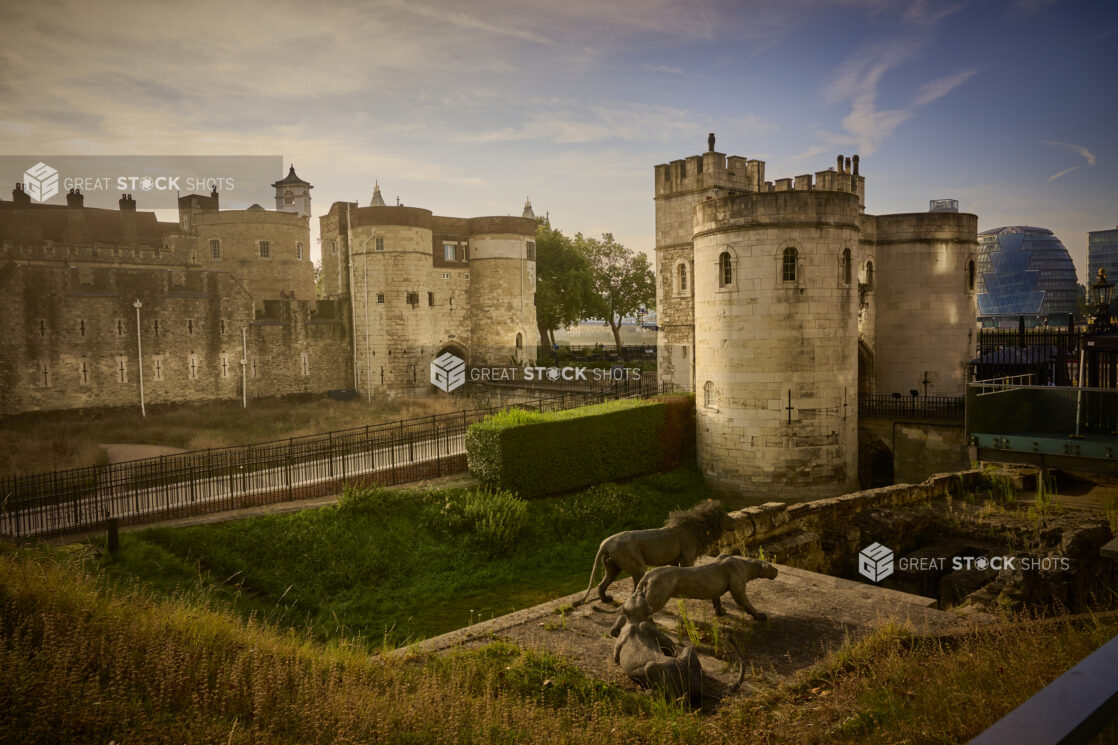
{"x":81,"y":500}
{"x":947,"y":408}
{"x":597,"y":352}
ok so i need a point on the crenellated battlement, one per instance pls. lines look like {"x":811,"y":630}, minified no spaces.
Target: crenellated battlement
{"x":735,"y":174}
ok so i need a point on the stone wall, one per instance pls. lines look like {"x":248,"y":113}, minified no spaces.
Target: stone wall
{"x":926,"y":308}
{"x":70,"y":339}
{"x":794,"y":533}
{"x":286,"y":271}
{"x":776,"y":358}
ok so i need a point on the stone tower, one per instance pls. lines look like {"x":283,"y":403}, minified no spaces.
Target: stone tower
{"x":293,"y":194}
{"x":779,"y":301}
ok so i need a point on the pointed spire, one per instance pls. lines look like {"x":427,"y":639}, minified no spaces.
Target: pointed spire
{"x":528,"y":209}
{"x":378,"y":200}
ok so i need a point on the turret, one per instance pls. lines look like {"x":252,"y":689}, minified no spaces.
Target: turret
{"x":293,"y":194}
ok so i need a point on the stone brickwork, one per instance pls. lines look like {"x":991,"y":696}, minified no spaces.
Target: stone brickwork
{"x":412,"y":300}
{"x":794,"y":301}
{"x":926,"y":306}
{"x":69,"y":278}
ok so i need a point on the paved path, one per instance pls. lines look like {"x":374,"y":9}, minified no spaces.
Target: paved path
{"x":119,"y":452}
{"x":153,"y":493}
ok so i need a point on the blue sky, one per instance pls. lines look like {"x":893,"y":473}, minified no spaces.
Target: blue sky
{"x":466,"y":108}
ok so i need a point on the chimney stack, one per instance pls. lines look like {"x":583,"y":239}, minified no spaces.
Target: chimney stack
{"x":19,"y":196}
{"x":74,"y":198}
{"x":855,"y":165}
{"x":127,"y":219}
{"x":838,"y":166}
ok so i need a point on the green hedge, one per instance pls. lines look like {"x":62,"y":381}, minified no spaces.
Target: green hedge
{"x":533,"y":454}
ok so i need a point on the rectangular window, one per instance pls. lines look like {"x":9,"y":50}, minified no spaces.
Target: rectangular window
{"x":215,"y":250}
{"x":413,"y":298}
{"x":531,"y":250}
{"x":466,"y":275}
{"x":378,"y":244}
{"x":190,"y":327}
{"x":430,"y":298}
{"x":299,"y":251}
{"x":223,"y":325}
{"x":119,"y":327}
{"x":380,"y":297}
{"x":446,"y":275}
{"x":265,"y":249}
{"x":449,"y":252}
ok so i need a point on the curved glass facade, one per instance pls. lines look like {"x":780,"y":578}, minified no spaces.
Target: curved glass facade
{"x":1024,"y":271}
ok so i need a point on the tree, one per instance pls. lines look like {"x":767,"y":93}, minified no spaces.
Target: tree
{"x":623,"y":280}
{"x":564,"y":283}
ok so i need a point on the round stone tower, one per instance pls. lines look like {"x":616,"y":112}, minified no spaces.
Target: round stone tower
{"x":776,"y":334}
{"x":503,"y":290}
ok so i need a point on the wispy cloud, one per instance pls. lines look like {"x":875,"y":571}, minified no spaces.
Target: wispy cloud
{"x":466,"y":21}
{"x":665,"y":68}
{"x":857,"y":81}
{"x":1088,"y":157}
{"x":923,"y":13}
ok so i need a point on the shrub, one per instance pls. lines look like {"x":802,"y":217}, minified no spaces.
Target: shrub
{"x":491,"y":519}
{"x":534,"y":454}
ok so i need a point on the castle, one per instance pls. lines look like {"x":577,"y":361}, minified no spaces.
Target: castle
{"x":780,"y":301}
{"x":419,"y":285}
{"x":222,"y":304}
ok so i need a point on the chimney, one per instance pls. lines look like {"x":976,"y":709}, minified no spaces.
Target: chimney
{"x":20,"y":197}
{"x":847,"y":171}
{"x":838,"y":165}
{"x":127,"y":219}
{"x":855,"y":165}
{"x":710,"y":142}
{"x":76,"y":229}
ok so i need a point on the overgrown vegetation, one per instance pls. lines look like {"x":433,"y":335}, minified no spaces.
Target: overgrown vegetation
{"x":85,"y":660}
{"x":532,"y":454}
{"x":393,"y":566}
{"x":34,"y":443}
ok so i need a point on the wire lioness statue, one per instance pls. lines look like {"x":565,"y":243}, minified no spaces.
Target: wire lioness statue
{"x":705,"y":582}
{"x":684,"y":537}
{"x":648,"y":657}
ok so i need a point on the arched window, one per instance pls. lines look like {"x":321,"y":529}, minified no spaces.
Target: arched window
{"x":708,"y":394}
{"x":788,"y":266}
{"x":520,"y":341}
{"x":683,"y":278}
{"x":846,"y":266}
{"x":869,"y":277}
{"x":970,"y":275}
{"x":725,"y":270}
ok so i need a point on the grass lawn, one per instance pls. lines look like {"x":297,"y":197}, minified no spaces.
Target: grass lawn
{"x":394,"y":566}
{"x":34,"y":443}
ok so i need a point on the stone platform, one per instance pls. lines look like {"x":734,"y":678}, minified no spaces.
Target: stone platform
{"x":809,"y":614}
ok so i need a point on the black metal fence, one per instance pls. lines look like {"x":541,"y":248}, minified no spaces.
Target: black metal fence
{"x":945,"y":408}
{"x":186,"y":484}
{"x":1050,"y":355}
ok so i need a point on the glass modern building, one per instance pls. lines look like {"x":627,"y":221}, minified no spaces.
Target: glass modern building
{"x":1024,"y":271}
{"x":1102,"y":251}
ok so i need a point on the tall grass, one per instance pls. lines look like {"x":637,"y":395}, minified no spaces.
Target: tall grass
{"x":82,"y":660}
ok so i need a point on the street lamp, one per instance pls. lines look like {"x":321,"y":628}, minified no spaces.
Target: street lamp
{"x":1101,"y":289}
{"x":140,"y":355}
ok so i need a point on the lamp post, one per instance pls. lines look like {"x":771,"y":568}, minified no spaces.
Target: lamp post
{"x":140,"y":355}
{"x":1101,"y":289}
